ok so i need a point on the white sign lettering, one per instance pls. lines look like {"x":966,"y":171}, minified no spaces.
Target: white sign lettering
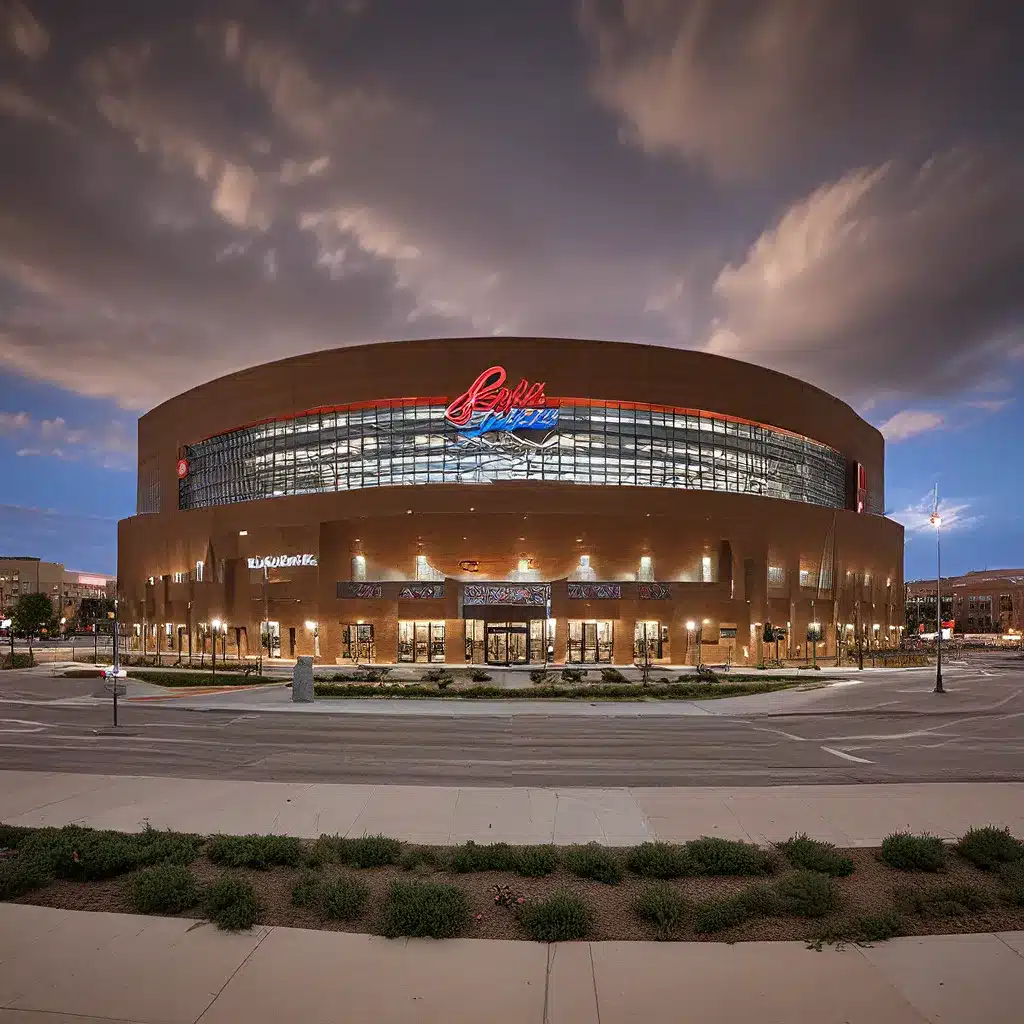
{"x":281,"y":561}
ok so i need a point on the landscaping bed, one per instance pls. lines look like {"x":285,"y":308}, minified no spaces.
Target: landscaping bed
{"x":707,"y":890}
{"x":187,"y":679}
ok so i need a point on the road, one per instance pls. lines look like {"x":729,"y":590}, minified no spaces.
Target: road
{"x":884,"y":727}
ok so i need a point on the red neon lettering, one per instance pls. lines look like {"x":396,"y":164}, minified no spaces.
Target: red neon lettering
{"x":487,"y":394}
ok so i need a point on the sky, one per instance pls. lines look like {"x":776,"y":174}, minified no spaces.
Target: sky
{"x":829,"y":188}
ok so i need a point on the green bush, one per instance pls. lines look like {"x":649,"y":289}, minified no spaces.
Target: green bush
{"x":663,"y":907}
{"x":183,"y":679}
{"x":163,"y":889}
{"x":907,"y":852}
{"x":478,"y":675}
{"x":22,"y":874}
{"x":535,"y":861}
{"x":660,"y":860}
{"x":539,"y":675}
{"x":955,"y":899}
{"x":231,"y":903}
{"x":16,"y":661}
{"x":612,"y":675}
{"x":306,"y":890}
{"x":573,"y":675}
{"x":716,"y":915}
{"x":593,"y":861}
{"x":12,"y":836}
{"x":371,"y":851}
{"x":343,"y":899}
{"x":714,"y":856}
{"x":877,"y":927}
{"x":256,"y":851}
{"x":1012,"y":877}
{"x":562,"y":917}
{"x":989,"y":847}
{"x":424,"y":910}
{"x":470,"y":857}
{"x":84,"y":855}
{"x":414,"y":857}
{"x":803,"y":852}
{"x":807,"y":894}
{"x":156,"y":846}
{"x":326,"y":850}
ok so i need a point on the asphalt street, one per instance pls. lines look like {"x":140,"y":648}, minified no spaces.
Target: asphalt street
{"x":879,"y":727}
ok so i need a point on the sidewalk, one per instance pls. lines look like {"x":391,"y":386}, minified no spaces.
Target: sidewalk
{"x":107,"y":967}
{"x":848,"y":815}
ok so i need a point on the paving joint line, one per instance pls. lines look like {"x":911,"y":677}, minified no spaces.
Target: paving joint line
{"x":234,"y":973}
{"x":593,"y":977}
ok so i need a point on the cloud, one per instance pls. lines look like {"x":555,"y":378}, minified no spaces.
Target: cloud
{"x":110,"y":445}
{"x":990,"y":404}
{"x":894,"y":280}
{"x":69,"y":538}
{"x":909,"y":423}
{"x":24,"y":31}
{"x":955,"y":512}
{"x":746,"y":88}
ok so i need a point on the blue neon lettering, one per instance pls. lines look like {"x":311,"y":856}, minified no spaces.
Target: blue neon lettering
{"x":515,"y":419}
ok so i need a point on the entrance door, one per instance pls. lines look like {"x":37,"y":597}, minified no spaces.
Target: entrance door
{"x":507,"y":643}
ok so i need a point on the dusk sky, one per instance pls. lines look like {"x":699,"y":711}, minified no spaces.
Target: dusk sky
{"x":831,"y":188}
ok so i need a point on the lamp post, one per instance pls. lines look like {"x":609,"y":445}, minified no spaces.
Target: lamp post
{"x":936,"y":521}
{"x":216,"y":629}
{"x":690,"y":626}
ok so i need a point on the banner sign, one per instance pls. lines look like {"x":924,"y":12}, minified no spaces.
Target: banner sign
{"x":281,"y":561}
{"x":488,"y":407}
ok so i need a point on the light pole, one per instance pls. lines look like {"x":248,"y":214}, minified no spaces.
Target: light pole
{"x":216,"y":629}
{"x":936,"y":521}
{"x":690,"y":626}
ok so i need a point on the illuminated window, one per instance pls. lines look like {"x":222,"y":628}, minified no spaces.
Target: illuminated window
{"x":777,"y":576}
{"x":583,"y":571}
{"x":646,"y":573}
{"x":706,"y":575}
{"x":199,"y":572}
{"x":359,"y":568}
{"x":425,"y":571}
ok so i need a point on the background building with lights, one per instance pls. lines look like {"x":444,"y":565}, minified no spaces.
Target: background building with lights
{"x":987,"y":601}
{"x":511,"y":501}
{"x":65,"y":588}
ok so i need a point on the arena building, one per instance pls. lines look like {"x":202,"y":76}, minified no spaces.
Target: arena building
{"x":509,"y":501}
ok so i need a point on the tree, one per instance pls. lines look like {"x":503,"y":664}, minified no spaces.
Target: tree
{"x":32,"y":614}
{"x":93,"y":611}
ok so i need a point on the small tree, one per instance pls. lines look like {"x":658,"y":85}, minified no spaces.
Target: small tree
{"x":32,"y":614}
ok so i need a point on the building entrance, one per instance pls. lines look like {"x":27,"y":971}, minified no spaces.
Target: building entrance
{"x":589,"y":641}
{"x":507,"y":643}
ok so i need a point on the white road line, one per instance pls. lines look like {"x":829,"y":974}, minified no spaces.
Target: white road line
{"x":847,"y":757}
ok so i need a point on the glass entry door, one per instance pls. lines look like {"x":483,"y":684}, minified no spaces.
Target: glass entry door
{"x":589,"y":641}
{"x":507,"y":643}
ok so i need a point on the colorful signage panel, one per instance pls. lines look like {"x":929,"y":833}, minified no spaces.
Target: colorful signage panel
{"x":489,"y":407}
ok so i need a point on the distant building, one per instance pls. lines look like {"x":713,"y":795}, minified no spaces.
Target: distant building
{"x":986,"y":601}
{"x":65,"y":588}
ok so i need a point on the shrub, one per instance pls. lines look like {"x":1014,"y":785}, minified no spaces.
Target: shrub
{"x":256,"y":851}
{"x":163,"y":889}
{"x":17,"y":661}
{"x":953,"y":900}
{"x":663,"y":907}
{"x":989,"y":847}
{"x":573,"y":675}
{"x":907,"y":852}
{"x":343,"y":899}
{"x":807,"y":894}
{"x":22,"y":874}
{"x":371,"y":851}
{"x":82,"y":854}
{"x":539,"y":675}
{"x":424,"y":910}
{"x":877,"y":927}
{"x":660,"y":860}
{"x":594,"y":861}
{"x":231,"y":903}
{"x":612,"y":675}
{"x":714,"y":856}
{"x":562,"y":917}
{"x":306,"y":890}
{"x":12,"y":836}
{"x":325,"y":850}
{"x":716,"y":915}
{"x":478,"y":675}
{"x":472,"y":856}
{"x":414,"y":857}
{"x":178,"y":679}
{"x":435,"y":675}
{"x":535,"y":861}
{"x":157,"y":847}
{"x":803,"y":852}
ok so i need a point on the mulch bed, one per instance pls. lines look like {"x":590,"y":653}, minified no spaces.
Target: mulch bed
{"x":868,"y":891}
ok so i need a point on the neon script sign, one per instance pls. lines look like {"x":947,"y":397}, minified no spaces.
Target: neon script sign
{"x":281,"y":561}
{"x":489,"y":406}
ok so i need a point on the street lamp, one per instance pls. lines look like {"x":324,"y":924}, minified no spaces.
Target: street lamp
{"x":936,"y":521}
{"x":690,"y":626}
{"x":216,"y":629}
{"x":314,"y":628}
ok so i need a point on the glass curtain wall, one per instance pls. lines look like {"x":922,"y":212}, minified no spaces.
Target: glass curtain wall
{"x":396,"y":444}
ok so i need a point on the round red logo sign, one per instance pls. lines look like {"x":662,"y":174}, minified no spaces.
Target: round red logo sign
{"x":182,"y":468}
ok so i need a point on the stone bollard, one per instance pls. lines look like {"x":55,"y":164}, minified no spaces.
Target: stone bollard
{"x":302,"y":681}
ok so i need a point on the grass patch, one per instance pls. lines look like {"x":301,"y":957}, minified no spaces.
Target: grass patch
{"x":907,"y":852}
{"x":806,"y":894}
{"x":343,"y":899}
{"x":256,"y":851}
{"x":662,"y":907}
{"x":232,"y":904}
{"x":714,"y":856}
{"x":953,"y":900}
{"x":593,"y":861}
{"x":424,"y":910}
{"x":813,"y":855}
{"x":163,"y":889}
{"x":22,"y":874}
{"x":660,"y":860}
{"x":989,"y":847}
{"x":562,"y":917}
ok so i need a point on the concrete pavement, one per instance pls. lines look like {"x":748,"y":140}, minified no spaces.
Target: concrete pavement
{"x":61,"y":966}
{"x":846,"y":815}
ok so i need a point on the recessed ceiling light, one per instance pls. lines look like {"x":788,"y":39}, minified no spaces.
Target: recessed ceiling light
{"x":243,"y":533}
{"x":471,"y":509}
{"x":408,"y":511}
